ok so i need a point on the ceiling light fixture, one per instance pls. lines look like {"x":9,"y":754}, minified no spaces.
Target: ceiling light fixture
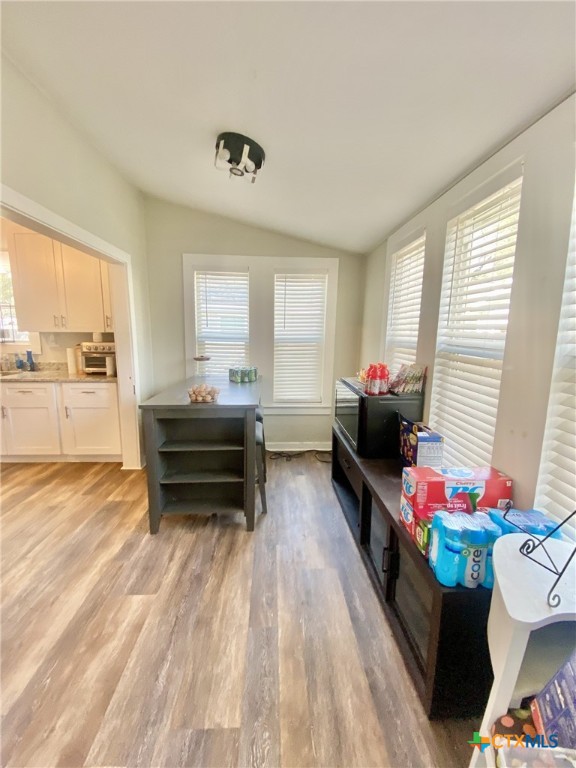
{"x":239,"y":155}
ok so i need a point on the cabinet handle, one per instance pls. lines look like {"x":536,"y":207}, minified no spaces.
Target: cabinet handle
{"x":346,"y":463}
{"x":67,"y":411}
{"x":25,"y":391}
{"x":56,"y":321}
{"x":384,"y":550}
{"x":3,"y":411}
{"x":63,"y":321}
{"x":108,"y":321}
{"x":88,"y":391}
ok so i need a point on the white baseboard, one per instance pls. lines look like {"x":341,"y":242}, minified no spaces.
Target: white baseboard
{"x":298,"y":447}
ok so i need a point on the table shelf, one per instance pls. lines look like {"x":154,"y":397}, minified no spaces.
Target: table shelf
{"x":214,"y":476}
{"x":201,"y":459}
{"x":192,"y":446}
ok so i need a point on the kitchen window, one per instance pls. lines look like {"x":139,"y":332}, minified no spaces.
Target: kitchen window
{"x":12,"y":339}
{"x":278,"y":314}
{"x":473,"y":320}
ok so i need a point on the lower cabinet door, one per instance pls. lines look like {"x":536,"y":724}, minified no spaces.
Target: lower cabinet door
{"x":379,"y":542}
{"x":89,"y":419}
{"x":29,"y":421}
{"x":412,"y":598}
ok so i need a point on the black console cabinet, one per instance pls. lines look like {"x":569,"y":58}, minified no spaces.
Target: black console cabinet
{"x":440,"y":631}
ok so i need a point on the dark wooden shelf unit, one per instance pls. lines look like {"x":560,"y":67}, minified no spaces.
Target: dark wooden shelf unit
{"x":200,"y":457}
{"x":440,"y":631}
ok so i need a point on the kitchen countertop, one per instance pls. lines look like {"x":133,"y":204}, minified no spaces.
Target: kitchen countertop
{"x":54,"y":376}
{"x":232,"y":395}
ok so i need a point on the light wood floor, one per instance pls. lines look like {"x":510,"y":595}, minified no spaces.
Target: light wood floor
{"x":204,"y":645}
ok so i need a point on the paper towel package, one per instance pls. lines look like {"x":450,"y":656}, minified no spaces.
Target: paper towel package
{"x":71,"y":361}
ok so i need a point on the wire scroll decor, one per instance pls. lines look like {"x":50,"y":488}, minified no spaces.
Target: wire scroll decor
{"x":533,"y":543}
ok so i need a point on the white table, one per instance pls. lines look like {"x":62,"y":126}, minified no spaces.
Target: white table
{"x":519,"y":606}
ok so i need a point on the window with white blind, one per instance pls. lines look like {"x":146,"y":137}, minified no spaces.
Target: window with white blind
{"x":222,"y":319}
{"x":12,"y":339}
{"x":556,"y":489}
{"x":299,"y":337}
{"x":473,"y":319}
{"x":404,"y":300}
{"x":275,"y":313}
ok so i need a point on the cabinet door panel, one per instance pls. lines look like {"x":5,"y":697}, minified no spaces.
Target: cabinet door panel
{"x":89,"y":419}
{"x":29,"y":420}
{"x":32,"y":263}
{"x":379,"y":544}
{"x":82,"y":290}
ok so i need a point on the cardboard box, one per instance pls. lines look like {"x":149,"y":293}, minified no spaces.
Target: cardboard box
{"x":455,"y":489}
{"x":421,"y":535}
{"x":419,"y":445}
{"x":418,"y":527}
{"x":406,"y":514}
{"x":554,"y":708}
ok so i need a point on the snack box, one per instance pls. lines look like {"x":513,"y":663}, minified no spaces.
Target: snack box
{"x":554,"y":708}
{"x":456,"y":489}
{"x":417,"y":526}
{"x":419,"y":445}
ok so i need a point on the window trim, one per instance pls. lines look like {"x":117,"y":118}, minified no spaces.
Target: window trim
{"x":261,"y":271}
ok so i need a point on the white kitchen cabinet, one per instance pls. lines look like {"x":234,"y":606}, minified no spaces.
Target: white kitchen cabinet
{"x":56,"y":287}
{"x":36,"y":293}
{"x":82,"y":286}
{"x":29,"y":422}
{"x":89,"y":419}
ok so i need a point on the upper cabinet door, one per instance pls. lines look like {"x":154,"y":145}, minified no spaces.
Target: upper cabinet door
{"x":33,"y":267}
{"x":82,"y":286}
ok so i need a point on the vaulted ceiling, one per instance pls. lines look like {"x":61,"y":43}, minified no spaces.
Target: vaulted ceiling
{"x":366,"y":110}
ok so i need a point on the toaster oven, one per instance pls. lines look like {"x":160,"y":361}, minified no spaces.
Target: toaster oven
{"x":98,"y":357}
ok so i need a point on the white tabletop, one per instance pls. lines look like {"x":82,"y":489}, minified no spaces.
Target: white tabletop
{"x":525,"y":585}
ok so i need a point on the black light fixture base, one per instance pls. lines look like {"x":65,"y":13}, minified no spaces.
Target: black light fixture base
{"x":239,"y":154}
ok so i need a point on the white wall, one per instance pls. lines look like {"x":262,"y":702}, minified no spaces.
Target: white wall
{"x":547,"y":151}
{"x":48,"y":161}
{"x":173,"y":230}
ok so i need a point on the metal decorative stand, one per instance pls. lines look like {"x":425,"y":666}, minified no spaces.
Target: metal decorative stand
{"x":532,"y":543}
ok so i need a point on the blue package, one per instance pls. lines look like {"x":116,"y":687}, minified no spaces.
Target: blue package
{"x":461,"y":548}
{"x":531,"y":521}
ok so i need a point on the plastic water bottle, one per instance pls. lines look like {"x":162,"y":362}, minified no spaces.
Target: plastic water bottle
{"x":461,"y":548}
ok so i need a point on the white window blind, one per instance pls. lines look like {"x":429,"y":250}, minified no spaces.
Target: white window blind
{"x":299,"y":337}
{"x":556,"y":489}
{"x":473,"y":319}
{"x":9,"y":332}
{"x":221,"y":303}
{"x":404,"y":304}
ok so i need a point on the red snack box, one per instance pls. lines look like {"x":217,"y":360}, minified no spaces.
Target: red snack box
{"x":455,"y":489}
{"x":417,"y":525}
{"x":407,"y":514}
